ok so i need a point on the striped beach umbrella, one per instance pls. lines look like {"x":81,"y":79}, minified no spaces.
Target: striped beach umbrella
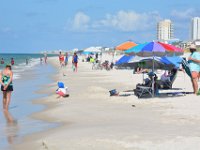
{"x":154,"y":49}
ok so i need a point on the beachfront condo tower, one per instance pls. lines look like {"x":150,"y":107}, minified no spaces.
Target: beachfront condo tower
{"x":195,"y":29}
{"x":165,"y":30}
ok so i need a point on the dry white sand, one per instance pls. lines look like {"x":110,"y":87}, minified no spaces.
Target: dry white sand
{"x":92,"y":120}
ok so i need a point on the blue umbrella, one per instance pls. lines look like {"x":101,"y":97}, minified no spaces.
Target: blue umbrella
{"x":124,"y":59}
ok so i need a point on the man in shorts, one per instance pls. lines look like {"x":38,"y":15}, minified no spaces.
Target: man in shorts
{"x":194,"y":61}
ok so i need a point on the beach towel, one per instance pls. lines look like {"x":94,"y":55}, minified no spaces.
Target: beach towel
{"x":186,"y":67}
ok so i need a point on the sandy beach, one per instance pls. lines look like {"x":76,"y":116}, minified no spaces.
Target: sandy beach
{"x":89,"y":119}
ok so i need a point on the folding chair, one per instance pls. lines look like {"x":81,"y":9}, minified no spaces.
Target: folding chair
{"x":144,"y":91}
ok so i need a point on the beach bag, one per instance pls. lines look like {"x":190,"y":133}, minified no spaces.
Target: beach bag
{"x":73,"y":67}
{"x":186,"y":67}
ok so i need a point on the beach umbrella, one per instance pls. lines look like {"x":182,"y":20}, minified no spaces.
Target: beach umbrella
{"x":92,"y":50}
{"x":154,"y":49}
{"x":126,"y":45}
{"x":175,"y":60}
{"x":147,"y":63}
{"x":124,"y":59}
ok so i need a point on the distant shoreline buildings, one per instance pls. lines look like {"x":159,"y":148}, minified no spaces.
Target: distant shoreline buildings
{"x":165,"y":30}
{"x":165,"y":33}
{"x":195,"y":29}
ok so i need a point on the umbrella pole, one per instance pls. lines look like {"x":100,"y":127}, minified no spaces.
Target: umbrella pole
{"x":185,"y":84}
{"x":153,"y":79}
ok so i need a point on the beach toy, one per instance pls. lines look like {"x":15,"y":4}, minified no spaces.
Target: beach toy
{"x":61,"y":85}
{"x":113,"y":92}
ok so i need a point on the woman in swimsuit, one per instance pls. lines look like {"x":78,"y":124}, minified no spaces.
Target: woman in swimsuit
{"x":6,"y":77}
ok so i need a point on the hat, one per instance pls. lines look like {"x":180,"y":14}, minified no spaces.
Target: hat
{"x":192,"y":46}
{"x":61,"y":85}
{"x":151,"y":74}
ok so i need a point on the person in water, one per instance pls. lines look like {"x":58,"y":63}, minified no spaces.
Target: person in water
{"x":2,"y":61}
{"x":6,"y":77}
{"x":45,"y":58}
{"x":12,"y":61}
{"x":26,"y":61}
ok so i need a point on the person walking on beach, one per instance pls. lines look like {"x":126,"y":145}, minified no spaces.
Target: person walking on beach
{"x":2,"y":61}
{"x":66,"y":59}
{"x":75,"y":62}
{"x":61,"y":59}
{"x":194,"y":61}
{"x":12,"y":61}
{"x":6,"y":77}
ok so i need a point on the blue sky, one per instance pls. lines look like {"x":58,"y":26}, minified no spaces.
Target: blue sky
{"x":36,"y":25}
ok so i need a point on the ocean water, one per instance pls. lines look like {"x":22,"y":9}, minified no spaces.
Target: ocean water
{"x":28,"y":79}
{"x":20,"y":62}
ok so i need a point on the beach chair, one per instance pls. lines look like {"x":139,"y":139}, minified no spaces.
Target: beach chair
{"x":168,"y":83}
{"x":143,"y":91}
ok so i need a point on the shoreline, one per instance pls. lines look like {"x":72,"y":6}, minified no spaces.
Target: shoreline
{"x":17,"y":123}
{"x":97,"y":121}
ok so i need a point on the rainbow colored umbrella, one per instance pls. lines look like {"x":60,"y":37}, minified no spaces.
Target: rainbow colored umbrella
{"x":154,"y":49}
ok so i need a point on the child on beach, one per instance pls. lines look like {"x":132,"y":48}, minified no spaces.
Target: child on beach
{"x":6,"y":77}
{"x":62,"y":91}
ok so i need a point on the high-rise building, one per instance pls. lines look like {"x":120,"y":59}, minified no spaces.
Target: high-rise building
{"x":165,"y":30}
{"x":195,"y":29}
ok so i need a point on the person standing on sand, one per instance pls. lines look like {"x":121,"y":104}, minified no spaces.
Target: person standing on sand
{"x":66,"y":59}
{"x":75,"y":62}
{"x":61,"y":59}
{"x":194,"y":61}
{"x":6,"y":77}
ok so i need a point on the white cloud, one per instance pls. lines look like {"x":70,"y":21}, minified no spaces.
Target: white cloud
{"x":186,"y":14}
{"x":130,"y":21}
{"x":125,"y":21}
{"x":80,"y":22}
